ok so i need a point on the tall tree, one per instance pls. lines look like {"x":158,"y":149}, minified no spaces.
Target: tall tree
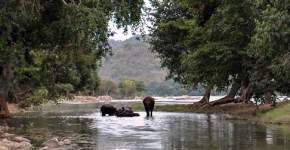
{"x":42,"y":41}
{"x":270,"y":49}
{"x":204,"y":42}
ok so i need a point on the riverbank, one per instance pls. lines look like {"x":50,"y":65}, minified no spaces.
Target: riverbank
{"x":36,"y":140}
{"x":280,"y":114}
{"x":10,"y":141}
{"x":232,"y":108}
{"x":262,"y":113}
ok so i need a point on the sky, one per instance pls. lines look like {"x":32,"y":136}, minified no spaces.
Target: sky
{"x":119,"y":33}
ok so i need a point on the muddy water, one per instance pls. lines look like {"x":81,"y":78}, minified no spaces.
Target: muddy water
{"x":165,"y":131}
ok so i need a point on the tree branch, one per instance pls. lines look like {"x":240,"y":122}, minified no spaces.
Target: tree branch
{"x":64,"y":2}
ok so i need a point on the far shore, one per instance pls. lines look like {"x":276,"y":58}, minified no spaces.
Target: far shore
{"x":261,"y":113}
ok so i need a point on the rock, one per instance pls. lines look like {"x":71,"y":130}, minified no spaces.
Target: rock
{"x":9,"y":144}
{"x":60,"y":148}
{"x":47,"y":148}
{"x":20,"y":139}
{"x":67,"y":141}
{"x":60,"y":143}
{"x":3,"y":148}
{"x":83,"y":142}
{"x":4,"y":128}
{"x":7,"y":135}
{"x":52,"y":143}
{"x":44,"y":148}
{"x":25,"y":145}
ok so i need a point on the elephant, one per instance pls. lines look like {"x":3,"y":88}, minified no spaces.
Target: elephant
{"x":149,"y":105}
{"x":108,"y":109}
{"x":128,"y":112}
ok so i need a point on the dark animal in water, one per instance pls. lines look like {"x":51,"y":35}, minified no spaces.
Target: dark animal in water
{"x":108,"y":109}
{"x":149,"y":105}
{"x":128,"y":112}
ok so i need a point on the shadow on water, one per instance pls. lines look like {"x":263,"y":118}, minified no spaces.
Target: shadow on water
{"x":163,"y":131}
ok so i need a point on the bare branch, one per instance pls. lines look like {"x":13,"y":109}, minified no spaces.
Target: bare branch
{"x":64,"y":2}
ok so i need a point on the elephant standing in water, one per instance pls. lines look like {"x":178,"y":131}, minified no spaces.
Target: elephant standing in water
{"x":108,"y":109}
{"x":149,"y":105}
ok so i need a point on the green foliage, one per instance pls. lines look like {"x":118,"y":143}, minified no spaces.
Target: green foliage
{"x":107,"y":87}
{"x":127,"y":88}
{"x":57,"y":45}
{"x":270,"y":48}
{"x":140,"y":87}
{"x":220,"y":42}
{"x":203,"y":43}
{"x":38,"y":97}
{"x":168,"y":35}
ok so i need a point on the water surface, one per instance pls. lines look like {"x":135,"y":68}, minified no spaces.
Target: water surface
{"x":181,"y":131}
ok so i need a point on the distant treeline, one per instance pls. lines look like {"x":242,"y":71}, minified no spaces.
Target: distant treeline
{"x":129,"y":89}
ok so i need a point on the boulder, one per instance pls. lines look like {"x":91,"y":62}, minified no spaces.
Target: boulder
{"x":3,"y":148}
{"x":7,"y":135}
{"x":20,"y":139}
{"x":67,"y":141}
{"x":24,"y":145}
{"x":52,"y":143}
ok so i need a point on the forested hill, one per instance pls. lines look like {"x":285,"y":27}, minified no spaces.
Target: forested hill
{"x":132,"y":59}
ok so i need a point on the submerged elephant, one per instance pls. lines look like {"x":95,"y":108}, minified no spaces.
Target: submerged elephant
{"x":126,"y":112}
{"x":149,"y":105}
{"x":108,"y":109}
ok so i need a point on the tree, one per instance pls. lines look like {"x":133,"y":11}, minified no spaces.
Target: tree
{"x":44,"y":42}
{"x":204,"y":42}
{"x":270,"y":50}
{"x":107,"y":87}
{"x":219,"y":44}
{"x":127,"y":88}
{"x":140,"y":87}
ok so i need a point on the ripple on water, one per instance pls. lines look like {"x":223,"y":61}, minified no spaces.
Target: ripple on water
{"x":164,"y":131}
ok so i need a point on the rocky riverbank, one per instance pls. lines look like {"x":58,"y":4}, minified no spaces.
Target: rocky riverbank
{"x":10,"y":141}
{"x":13,"y":142}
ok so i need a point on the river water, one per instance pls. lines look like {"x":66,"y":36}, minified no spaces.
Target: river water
{"x":169,"y":131}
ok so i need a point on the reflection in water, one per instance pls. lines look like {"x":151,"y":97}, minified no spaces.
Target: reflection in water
{"x":180,"y":131}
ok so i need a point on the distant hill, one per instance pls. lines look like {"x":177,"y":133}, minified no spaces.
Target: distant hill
{"x":132,"y":59}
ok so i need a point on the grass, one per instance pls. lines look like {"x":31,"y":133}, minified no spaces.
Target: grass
{"x":175,"y":108}
{"x":165,"y":108}
{"x":277,"y":115}
{"x":280,"y":114}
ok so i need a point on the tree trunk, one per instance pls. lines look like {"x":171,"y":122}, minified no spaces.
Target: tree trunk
{"x":205,"y":98}
{"x":5,"y":80}
{"x":234,"y":89}
{"x":231,"y":95}
{"x":247,"y":92}
{"x":269,"y":99}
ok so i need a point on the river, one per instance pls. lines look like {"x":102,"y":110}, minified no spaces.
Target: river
{"x":176,"y":131}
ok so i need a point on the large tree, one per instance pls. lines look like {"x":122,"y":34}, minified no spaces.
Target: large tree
{"x":50,"y":44}
{"x":240,"y":44}
{"x":270,"y":50}
{"x":204,"y":42}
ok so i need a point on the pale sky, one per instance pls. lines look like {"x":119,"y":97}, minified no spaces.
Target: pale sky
{"x":119,"y":33}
